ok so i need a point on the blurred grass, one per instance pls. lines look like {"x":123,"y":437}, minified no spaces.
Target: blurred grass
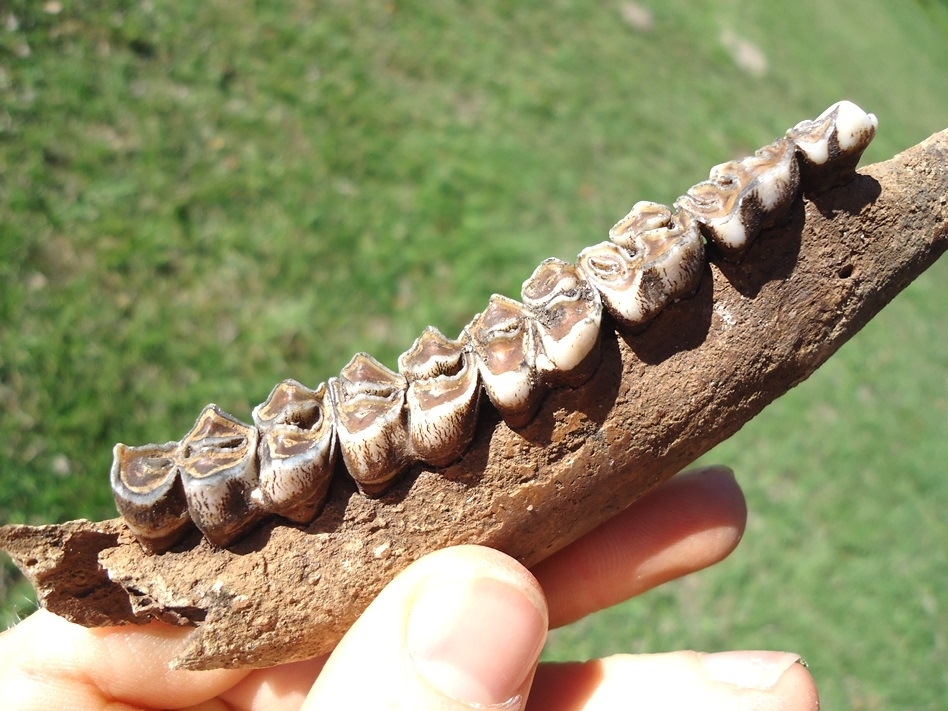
{"x":197,"y":201}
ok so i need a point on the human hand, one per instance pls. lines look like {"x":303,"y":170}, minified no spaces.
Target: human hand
{"x":461,"y":628}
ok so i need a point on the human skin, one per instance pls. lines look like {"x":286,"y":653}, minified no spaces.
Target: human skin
{"x":461,"y":628}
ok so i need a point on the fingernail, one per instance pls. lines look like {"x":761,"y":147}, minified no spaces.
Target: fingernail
{"x":476,"y":641}
{"x":749,"y":670}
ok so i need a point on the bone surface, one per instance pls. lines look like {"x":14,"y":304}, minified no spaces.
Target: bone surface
{"x":297,"y":450}
{"x":656,"y":257}
{"x":504,"y":340}
{"x":743,"y":197}
{"x":568,"y":314}
{"x":443,"y":396}
{"x":218,"y":460}
{"x":149,"y":495}
{"x":371,"y":422}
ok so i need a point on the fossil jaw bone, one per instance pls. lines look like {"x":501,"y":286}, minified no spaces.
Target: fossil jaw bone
{"x":218,"y":460}
{"x":297,"y":450}
{"x":832,"y":144}
{"x":371,"y":423}
{"x":656,"y":257}
{"x":443,"y":396}
{"x":384,"y":421}
{"x":568,"y":314}
{"x":742,"y":198}
{"x":149,"y":495}
{"x":504,"y":340}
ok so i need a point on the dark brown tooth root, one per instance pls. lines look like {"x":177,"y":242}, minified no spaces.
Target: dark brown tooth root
{"x":218,"y":459}
{"x":504,"y":341}
{"x":297,"y":450}
{"x":656,"y":257}
{"x":149,"y":495}
{"x":742,"y":198}
{"x":371,"y":422}
{"x":568,"y":313}
{"x":443,"y":396}
{"x":831,"y":144}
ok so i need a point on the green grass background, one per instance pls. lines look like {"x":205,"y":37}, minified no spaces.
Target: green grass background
{"x":198,"y":200}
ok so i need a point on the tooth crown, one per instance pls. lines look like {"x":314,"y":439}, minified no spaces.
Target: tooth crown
{"x":443,"y":396}
{"x":504,"y":339}
{"x":567,"y":313}
{"x":743,"y":197}
{"x":371,"y":422}
{"x":224,"y":475}
{"x":297,"y":450}
{"x":655,"y":257}
{"x":831,"y":144}
{"x":218,"y":463}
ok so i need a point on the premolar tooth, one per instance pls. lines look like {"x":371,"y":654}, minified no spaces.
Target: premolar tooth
{"x":371,"y":422}
{"x":832,"y":144}
{"x":742,"y":198}
{"x":218,"y":459}
{"x":568,"y":313}
{"x":149,"y":495}
{"x":504,"y":340}
{"x":656,"y":258}
{"x":297,"y":450}
{"x":443,"y":396}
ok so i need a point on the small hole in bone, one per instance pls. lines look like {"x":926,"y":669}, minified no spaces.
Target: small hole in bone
{"x":845,"y":271}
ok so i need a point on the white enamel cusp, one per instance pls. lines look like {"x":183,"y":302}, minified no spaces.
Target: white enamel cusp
{"x":743,"y":197}
{"x":656,"y":258}
{"x":832,"y":144}
{"x":443,"y":396}
{"x":149,"y":495}
{"x":567,"y":311}
{"x":218,"y":460}
{"x":297,"y":450}
{"x":371,"y":422}
{"x":504,"y":340}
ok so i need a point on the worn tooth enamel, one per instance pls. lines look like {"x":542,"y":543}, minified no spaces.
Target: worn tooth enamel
{"x":504,"y":341}
{"x":224,"y":475}
{"x":443,"y":396}
{"x":149,"y":495}
{"x":567,"y":312}
{"x":297,"y":450}
{"x":218,"y":460}
{"x":371,"y":422}
{"x":832,"y":144}
{"x":660,"y":260}
{"x":742,"y":198}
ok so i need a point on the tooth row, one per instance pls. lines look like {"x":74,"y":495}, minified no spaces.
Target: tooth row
{"x":224,"y":475}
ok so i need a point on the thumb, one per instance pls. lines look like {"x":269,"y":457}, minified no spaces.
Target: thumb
{"x":461,"y":628}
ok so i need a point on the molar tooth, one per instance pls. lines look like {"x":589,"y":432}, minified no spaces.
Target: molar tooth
{"x":443,"y":396}
{"x":656,"y":257}
{"x":504,"y":340}
{"x":149,"y":495}
{"x":742,"y":198}
{"x":371,"y":422}
{"x":297,"y":450}
{"x":832,"y":144}
{"x":218,"y":459}
{"x":568,"y":313}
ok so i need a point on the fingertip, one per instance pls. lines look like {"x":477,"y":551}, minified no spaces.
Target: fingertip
{"x":460,"y":628}
{"x":688,"y":523}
